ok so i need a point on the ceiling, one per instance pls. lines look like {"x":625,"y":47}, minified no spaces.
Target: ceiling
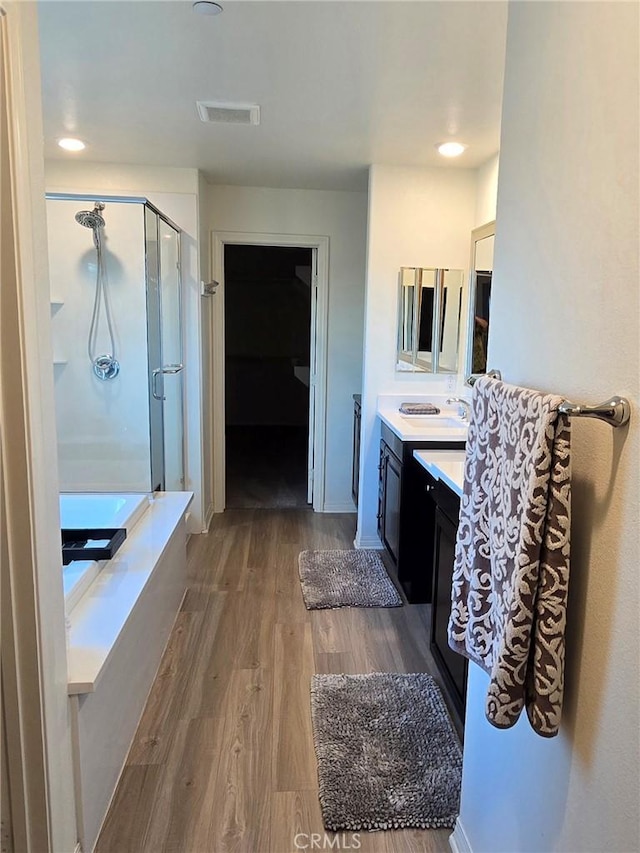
{"x":340,"y":85}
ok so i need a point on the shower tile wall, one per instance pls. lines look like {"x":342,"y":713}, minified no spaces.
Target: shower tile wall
{"x":103,"y":427}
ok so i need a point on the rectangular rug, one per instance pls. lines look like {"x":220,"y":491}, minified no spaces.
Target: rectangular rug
{"x":345,"y":579}
{"x":388,"y":757}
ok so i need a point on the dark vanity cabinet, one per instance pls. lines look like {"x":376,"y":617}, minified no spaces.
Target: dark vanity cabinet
{"x":389,"y":500}
{"x":355,"y":465}
{"x":406,"y":513}
{"x":453,"y":667}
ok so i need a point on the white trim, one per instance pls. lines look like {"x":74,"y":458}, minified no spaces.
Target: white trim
{"x":313,"y":378}
{"x":458,"y":840}
{"x":370,"y":543}
{"x":30,"y":471}
{"x":218,"y":241}
{"x":77,"y":776}
{"x":346,"y":507}
{"x":468,"y":310}
{"x":208,"y":518}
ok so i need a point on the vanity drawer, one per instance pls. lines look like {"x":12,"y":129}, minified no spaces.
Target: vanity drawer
{"x":392,"y":441}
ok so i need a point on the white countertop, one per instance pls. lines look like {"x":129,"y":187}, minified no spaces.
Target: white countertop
{"x":446,"y":426}
{"x":445,"y":465}
{"x":95,"y":623}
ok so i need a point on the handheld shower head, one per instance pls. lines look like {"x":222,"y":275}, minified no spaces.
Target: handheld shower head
{"x":91,"y":218}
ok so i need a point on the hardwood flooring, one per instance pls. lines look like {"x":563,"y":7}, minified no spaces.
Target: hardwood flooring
{"x":223,"y":759}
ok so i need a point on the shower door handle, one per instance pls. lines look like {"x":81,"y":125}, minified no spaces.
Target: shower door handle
{"x":168,"y":368}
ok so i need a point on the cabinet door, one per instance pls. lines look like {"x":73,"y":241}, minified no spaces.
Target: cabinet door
{"x":452,"y":665}
{"x":391,"y":478}
{"x":415,"y":568}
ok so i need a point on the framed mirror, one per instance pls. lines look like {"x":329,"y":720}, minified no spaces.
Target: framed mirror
{"x":452,"y":293}
{"x":481,"y":266}
{"x":407,"y":317}
{"x":429,"y":319}
{"x":427,"y":313}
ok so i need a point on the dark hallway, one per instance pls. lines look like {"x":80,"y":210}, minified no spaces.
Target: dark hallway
{"x":267,"y":329}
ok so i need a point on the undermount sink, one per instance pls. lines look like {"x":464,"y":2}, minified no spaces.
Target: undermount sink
{"x":435,"y":421}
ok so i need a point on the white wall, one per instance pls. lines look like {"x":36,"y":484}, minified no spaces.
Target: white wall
{"x":565,"y":319}
{"x":342,"y":217}
{"x":417,"y":217}
{"x":78,"y":174}
{"x":175,"y":192}
{"x":487,"y":191}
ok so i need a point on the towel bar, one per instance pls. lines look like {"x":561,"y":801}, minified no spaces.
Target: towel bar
{"x":471,"y":380}
{"x":615,"y":411}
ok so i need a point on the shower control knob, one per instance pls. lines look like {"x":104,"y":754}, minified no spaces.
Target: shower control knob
{"x":106,"y":367}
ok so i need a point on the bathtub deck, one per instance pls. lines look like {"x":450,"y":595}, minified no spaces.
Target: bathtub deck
{"x":97,"y":621}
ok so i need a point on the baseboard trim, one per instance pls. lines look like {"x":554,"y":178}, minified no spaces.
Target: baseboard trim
{"x":458,"y":840}
{"x":208,"y":518}
{"x":340,"y":507}
{"x":372,"y":543}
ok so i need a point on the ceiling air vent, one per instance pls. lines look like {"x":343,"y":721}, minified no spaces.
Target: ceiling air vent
{"x":221,"y":113}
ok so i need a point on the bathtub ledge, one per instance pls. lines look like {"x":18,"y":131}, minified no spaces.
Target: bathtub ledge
{"x":96,"y":622}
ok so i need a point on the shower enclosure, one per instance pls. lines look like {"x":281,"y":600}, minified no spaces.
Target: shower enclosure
{"x":117,"y":333}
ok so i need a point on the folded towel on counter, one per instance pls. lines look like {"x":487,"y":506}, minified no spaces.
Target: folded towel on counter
{"x":418,"y":409}
{"x":511,"y":571}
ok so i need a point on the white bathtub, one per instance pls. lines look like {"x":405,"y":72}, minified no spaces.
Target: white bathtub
{"x":79,"y":511}
{"x":85,"y":511}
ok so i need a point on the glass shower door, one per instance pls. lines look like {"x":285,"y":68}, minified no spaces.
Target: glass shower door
{"x":172,"y":366}
{"x":164,"y":327}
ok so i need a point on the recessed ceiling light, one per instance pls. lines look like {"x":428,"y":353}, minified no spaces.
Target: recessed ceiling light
{"x":451,"y":149}
{"x":206,"y":7}
{"x":70,"y":144}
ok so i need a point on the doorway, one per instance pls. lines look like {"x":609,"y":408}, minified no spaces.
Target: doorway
{"x":269,"y":317}
{"x":318,"y":368}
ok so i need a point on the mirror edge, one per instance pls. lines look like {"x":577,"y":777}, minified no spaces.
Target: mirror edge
{"x":477,"y":234}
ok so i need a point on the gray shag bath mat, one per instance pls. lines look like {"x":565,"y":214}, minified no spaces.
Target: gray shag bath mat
{"x":388,"y":757}
{"x":345,"y":579}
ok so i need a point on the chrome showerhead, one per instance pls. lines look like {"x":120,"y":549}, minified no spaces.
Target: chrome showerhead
{"x":91,"y":218}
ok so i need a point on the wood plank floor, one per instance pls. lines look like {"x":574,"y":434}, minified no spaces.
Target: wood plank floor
{"x":223,"y":759}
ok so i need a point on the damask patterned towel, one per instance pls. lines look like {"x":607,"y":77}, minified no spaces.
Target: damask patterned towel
{"x":511,"y":572}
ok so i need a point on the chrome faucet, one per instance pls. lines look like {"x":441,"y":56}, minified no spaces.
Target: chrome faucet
{"x":464,"y":409}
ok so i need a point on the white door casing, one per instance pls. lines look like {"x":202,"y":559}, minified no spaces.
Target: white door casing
{"x":34,"y":667}
{"x":313,"y":376}
{"x":219,"y":239}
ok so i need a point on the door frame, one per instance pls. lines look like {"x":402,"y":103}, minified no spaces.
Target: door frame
{"x":35,"y":704}
{"x":220,"y":239}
